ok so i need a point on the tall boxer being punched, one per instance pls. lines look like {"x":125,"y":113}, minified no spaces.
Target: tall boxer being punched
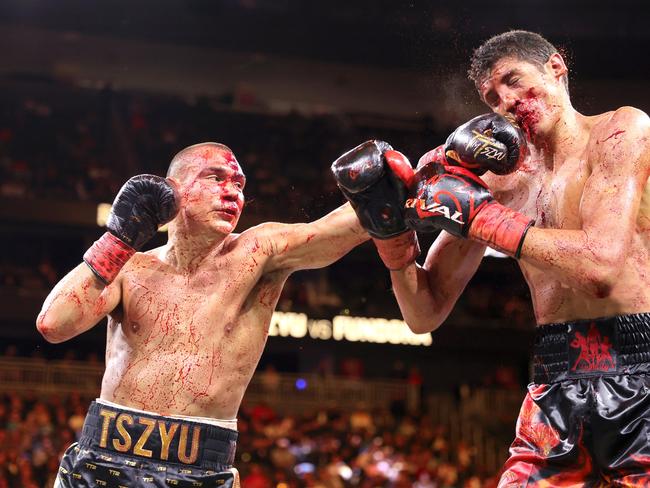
{"x":187,"y":322}
{"x":574,"y":209}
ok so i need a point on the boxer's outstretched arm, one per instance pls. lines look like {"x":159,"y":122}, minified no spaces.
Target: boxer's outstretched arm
{"x":427,"y":294}
{"x":77,"y":303}
{"x":313,"y":245}
{"x":591,"y":258}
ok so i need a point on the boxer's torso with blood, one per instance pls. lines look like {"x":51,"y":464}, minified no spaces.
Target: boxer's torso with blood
{"x":189,"y":344}
{"x":552,"y":196}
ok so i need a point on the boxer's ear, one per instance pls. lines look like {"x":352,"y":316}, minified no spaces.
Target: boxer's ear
{"x":177,"y":185}
{"x":556,"y":66}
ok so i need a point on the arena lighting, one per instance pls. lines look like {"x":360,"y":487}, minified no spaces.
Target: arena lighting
{"x":103,"y":209}
{"x":346,"y":328}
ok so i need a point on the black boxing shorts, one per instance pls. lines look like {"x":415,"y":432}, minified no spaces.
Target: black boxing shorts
{"x":124,"y":448}
{"x":585,"y":421}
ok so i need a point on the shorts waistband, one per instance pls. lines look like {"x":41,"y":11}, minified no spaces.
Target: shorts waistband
{"x":157,"y":438}
{"x":595,"y":347}
{"x":230,"y":424}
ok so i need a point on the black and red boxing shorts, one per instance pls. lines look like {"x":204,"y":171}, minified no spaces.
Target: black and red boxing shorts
{"x":585,"y":421}
{"x":123,"y":448}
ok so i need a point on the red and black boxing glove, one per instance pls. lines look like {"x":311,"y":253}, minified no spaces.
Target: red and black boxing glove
{"x":143,"y":204}
{"x":375,"y":179}
{"x":456,"y":200}
{"x":489,"y":142}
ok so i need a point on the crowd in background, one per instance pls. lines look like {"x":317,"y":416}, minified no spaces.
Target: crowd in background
{"x":90,"y":142}
{"x":89,"y":145}
{"x":328,"y":448}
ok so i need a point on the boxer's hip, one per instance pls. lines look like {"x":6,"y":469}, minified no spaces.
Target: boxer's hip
{"x":120,"y":447}
{"x":590,"y":348}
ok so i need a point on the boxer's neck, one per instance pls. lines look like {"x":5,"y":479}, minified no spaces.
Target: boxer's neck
{"x":565,"y":139}
{"x":186,"y":250}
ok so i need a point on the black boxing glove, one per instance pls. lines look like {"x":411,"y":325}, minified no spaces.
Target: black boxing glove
{"x":374,"y":178}
{"x":144,"y":203}
{"x":456,"y":200}
{"x":487,"y":142}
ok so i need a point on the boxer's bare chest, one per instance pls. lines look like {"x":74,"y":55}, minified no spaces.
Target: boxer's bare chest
{"x":551,"y":197}
{"x":165,"y":308}
{"x":551,"y":194}
{"x":189,"y":342}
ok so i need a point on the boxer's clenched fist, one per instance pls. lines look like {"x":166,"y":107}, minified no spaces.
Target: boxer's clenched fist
{"x":456,"y":200}
{"x":488,"y":142}
{"x":143,"y":204}
{"x":375,"y":179}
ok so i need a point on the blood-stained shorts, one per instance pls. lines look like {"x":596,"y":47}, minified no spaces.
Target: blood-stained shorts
{"x":122,"y":448}
{"x":585,"y":420}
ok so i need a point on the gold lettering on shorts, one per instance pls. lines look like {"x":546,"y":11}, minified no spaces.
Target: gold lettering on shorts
{"x":182,"y":444}
{"x":147,"y":479}
{"x":101,"y":482}
{"x":128,"y":462}
{"x":76,"y":476}
{"x":161,"y":468}
{"x":114,"y":472}
{"x":185,"y":471}
{"x":171,"y":482}
{"x":108,"y":416}
{"x":139,"y":446}
{"x":105,"y":458}
{"x":119,"y":424}
{"x":197,"y":483}
{"x":166,"y":437}
{"x":63,"y":470}
{"x":91,"y":466}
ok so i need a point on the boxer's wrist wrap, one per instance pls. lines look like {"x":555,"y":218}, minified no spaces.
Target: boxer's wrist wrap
{"x":501,"y":228}
{"x":107,"y":256}
{"x":399,"y":251}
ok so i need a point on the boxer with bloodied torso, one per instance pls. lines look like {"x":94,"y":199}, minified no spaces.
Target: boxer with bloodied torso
{"x":187,"y":322}
{"x":574,"y":209}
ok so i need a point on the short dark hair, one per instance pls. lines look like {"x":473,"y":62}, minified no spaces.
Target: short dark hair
{"x":520,"y":44}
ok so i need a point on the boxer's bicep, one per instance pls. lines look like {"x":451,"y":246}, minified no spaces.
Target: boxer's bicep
{"x":315,"y":244}
{"x":612,"y":194}
{"x":77,"y":303}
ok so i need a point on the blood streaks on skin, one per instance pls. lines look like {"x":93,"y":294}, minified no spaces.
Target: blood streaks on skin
{"x":613,"y":134}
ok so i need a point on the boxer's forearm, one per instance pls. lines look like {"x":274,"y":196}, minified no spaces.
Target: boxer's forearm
{"x":427,"y":294}
{"x":421,"y":312}
{"x":585,"y":262}
{"x":312,"y":245}
{"x":75,"y":305}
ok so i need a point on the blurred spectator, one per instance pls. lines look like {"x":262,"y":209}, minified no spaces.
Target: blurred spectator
{"x":331,"y":449}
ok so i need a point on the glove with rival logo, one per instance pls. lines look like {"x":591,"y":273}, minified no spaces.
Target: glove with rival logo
{"x":143,"y":204}
{"x":454,"y":199}
{"x":375,"y":180}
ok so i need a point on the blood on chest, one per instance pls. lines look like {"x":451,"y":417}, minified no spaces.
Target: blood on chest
{"x":551,"y":197}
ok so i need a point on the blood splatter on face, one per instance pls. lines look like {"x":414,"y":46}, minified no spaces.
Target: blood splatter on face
{"x":212,"y":193}
{"x":527,"y":91}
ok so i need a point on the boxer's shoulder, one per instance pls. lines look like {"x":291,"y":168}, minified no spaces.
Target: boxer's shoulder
{"x":266,"y":234}
{"x":621,"y":134}
{"x":610,"y":128}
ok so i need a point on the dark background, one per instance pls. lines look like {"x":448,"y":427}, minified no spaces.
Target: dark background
{"x":94,"y":92}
